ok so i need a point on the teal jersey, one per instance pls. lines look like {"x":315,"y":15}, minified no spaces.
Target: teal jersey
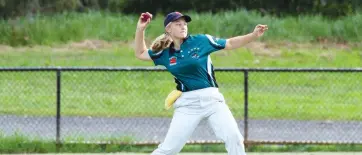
{"x":191,"y":65}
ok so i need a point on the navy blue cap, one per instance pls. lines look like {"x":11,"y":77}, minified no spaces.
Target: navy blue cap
{"x":174,"y":16}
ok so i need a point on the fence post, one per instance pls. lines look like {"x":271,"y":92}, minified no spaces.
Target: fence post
{"x":58,"y":110}
{"x":246,"y":85}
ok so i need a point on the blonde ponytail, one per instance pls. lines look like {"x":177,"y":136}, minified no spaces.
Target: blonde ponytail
{"x":161,"y":42}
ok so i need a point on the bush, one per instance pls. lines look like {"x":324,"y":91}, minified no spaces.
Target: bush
{"x":330,"y":8}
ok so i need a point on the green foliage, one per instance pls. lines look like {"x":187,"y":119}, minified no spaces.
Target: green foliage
{"x":66,"y":5}
{"x":66,"y":27}
{"x":117,"y":5}
{"x":331,"y":8}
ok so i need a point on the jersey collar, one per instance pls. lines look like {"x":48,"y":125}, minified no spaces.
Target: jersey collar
{"x":172,"y":49}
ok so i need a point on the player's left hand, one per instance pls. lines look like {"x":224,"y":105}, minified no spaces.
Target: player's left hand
{"x":259,"y":30}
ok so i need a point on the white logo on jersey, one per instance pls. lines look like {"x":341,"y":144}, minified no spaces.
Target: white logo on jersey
{"x":194,"y":53}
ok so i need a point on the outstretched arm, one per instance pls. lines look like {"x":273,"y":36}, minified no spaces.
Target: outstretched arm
{"x":239,"y":41}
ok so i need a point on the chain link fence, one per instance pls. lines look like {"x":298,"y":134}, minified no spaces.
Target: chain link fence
{"x":125,"y":105}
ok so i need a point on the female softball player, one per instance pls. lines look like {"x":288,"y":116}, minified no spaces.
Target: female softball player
{"x":187,"y":58}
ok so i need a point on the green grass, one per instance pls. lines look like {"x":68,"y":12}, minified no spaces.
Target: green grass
{"x":123,"y":94}
{"x":20,"y":144}
{"x":67,"y":27}
{"x":305,"y":96}
{"x":121,"y":54}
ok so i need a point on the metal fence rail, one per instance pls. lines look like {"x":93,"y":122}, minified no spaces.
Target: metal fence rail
{"x":125,"y":105}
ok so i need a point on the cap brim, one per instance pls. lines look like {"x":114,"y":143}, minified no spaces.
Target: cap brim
{"x":186,"y":17}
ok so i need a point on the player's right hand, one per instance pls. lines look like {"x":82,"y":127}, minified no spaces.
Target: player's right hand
{"x":142,"y":23}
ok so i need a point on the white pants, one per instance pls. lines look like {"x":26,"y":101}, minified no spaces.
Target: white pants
{"x":190,"y":109}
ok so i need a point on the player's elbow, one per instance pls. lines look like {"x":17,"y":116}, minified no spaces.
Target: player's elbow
{"x":142,"y":56}
{"x":138,"y":53}
{"x":139,"y":56}
{"x":228,"y":45}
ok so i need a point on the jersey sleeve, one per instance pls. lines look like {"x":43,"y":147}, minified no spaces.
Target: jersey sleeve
{"x":156,"y":57}
{"x":213,"y":44}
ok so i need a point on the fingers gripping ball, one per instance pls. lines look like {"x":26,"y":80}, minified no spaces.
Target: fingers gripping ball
{"x":145,"y":17}
{"x":171,"y":98}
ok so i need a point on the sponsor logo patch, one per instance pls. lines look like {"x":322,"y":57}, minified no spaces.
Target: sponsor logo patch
{"x":173,"y":61}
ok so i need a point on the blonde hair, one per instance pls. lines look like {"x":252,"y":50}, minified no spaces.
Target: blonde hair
{"x":161,"y":42}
